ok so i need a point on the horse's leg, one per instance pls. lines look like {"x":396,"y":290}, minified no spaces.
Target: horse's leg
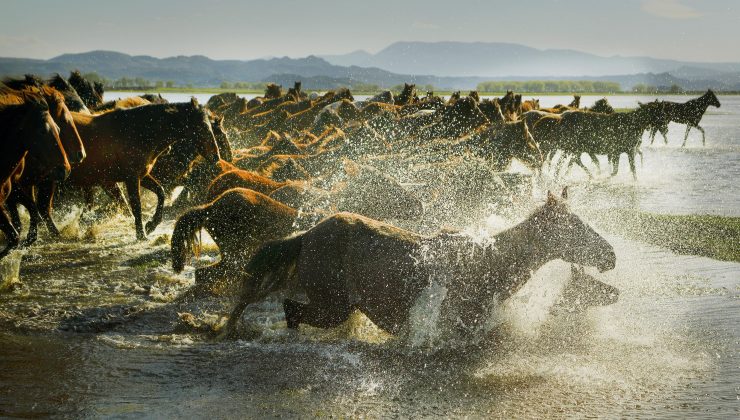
{"x":319,"y":314}
{"x":631,"y":158}
{"x":45,"y":202}
{"x":11,"y":204}
{"x":686,"y":136}
{"x":11,"y":234}
{"x":25,"y":199}
{"x":703,"y":135}
{"x":116,"y":194}
{"x":579,"y":162}
{"x":653,"y":130}
{"x":134,"y":200}
{"x":615,"y":164}
{"x":664,"y":132}
{"x":595,"y":160}
{"x":154,"y":186}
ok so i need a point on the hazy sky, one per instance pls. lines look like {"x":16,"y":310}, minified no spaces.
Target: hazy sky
{"x":697,"y":30}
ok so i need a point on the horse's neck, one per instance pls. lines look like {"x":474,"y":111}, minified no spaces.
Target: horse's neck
{"x":516,"y":253}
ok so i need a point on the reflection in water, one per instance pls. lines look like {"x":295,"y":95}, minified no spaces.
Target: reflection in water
{"x":94,"y":328}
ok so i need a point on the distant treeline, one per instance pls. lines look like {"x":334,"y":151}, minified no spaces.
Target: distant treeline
{"x":551,"y":86}
{"x":528,"y":86}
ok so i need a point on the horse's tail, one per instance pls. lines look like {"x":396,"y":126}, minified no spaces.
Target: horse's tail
{"x":183,"y":236}
{"x":268,"y":270}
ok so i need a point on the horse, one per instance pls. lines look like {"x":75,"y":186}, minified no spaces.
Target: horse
{"x":349,"y":262}
{"x":90,"y":93}
{"x":584,"y":291}
{"x":28,"y":131}
{"x":239,"y":220}
{"x":407,"y":95}
{"x":689,"y":113}
{"x":362,"y":189}
{"x":531,"y":105}
{"x":602,"y":106}
{"x":172,"y":166}
{"x":119,"y":103}
{"x":578,"y":132}
{"x":123,"y":146}
{"x":154,"y":99}
{"x":35,"y":171}
{"x":273,"y":91}
{"x":71,"y":97}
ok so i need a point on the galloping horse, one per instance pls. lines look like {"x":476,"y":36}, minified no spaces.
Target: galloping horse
{"x":35,"y":171}
{"x":349,"y":262}
{"x":578,"y":132}
{"x":28,"y":131}
{"x":689,"y":113}
{"x":123,"y":145}
{"x":238,"y":221}
{"x":364,"y":190}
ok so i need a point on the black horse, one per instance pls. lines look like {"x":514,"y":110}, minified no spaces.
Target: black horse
{"x":689,"y":113}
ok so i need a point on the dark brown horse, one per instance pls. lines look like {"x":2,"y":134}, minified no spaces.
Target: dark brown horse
{"x":348,"y":262}
{"x":28,"y":131}
{"x":35,"y":171}
{"x":90,"y":93}
{"x":407,"y":94}
{"x":238,"y":221}
{"x":690,"y":113}
{"x":123,"y":145}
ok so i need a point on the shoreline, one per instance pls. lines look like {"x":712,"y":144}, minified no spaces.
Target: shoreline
{"x":216,"y":90}
{"x":716,"y":237}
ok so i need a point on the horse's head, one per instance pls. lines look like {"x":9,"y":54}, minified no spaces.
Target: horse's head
{"x":87,"y":90}
{"x":71,"y":98}
{"x":40,"y":135}
{"x":376,"y":195}
{"x":712,"y":98}
{"x":565,"y":236}
{"x":73,"y":146}
{"x":273,"y":91}
{"x":198,"y":130}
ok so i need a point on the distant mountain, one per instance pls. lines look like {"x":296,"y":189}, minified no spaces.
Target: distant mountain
{"x":494,"y":59}
{"x":457,"y":66}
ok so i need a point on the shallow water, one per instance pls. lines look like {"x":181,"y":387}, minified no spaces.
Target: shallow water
{"x":93,"y":329}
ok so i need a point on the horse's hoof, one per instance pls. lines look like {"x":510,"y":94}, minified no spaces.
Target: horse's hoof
{"x":140,"y":236}
{"x":150,"y":227}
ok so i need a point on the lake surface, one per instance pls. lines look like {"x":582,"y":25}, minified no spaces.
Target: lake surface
{"x":94,"y":330}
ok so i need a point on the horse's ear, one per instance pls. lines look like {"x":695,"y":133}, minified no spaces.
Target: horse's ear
{"x":193,"y":101}
{"x":551,"y":200}
{"x":565,"y":193}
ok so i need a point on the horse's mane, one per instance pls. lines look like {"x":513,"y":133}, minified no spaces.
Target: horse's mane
{"x":29,"y":80}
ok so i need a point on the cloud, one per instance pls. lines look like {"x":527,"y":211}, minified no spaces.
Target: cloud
{"x":669,"y":9}
{"x":424,"y":25}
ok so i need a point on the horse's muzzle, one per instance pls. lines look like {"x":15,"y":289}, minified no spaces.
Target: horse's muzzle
{"x":607,"y":262}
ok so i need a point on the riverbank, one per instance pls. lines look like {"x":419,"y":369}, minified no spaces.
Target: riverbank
{"x":716,"y":237}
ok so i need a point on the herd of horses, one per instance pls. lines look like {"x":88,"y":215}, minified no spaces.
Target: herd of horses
{"x":254,"y":172}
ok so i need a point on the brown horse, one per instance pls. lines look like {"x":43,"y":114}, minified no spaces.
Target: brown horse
{"x":28,"y":131}
{"x":124,"y":144}
{"x":121,"y":103}
{"x":362,"y":189}
{"x":173,"y":165}
{"x":238,"y":221}
{"x":348,"y":262}
{"x":35,"y":171}
{"x":90,"y":93}
{"x":407,"y":94}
